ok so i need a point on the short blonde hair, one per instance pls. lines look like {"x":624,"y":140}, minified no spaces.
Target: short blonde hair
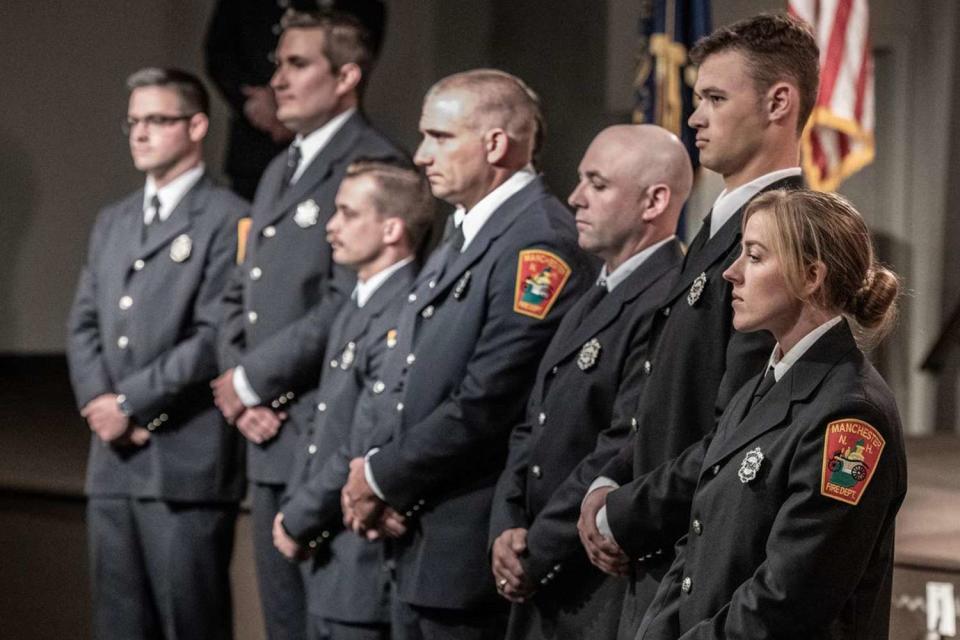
{"x":812,"y":227}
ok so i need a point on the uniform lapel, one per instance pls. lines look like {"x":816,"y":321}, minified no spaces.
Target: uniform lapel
{"x":797,"y":385}
{"x":319,"y":169}
{"x":181,"y":218}
{"x":611,"y":306}
{"x":130,"y":231}
{"x":496,"y":225}
{"x":721,"y":243}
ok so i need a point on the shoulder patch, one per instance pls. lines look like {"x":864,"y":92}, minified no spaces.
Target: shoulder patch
{"x":541,"y":276}
{"x":851,"y":453}
{"x":243,"y":230}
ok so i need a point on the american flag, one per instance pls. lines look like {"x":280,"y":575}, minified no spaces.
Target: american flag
{"x":838,"y":139}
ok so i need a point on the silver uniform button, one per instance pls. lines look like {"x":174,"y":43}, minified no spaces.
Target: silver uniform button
{"x":716,"y":469}
{"x":399,"y":406}
{"x":379,"y":386}
{"x":666,"y":312}
{"x":427,"y":312}
{"x":411,"y":358}
{"x":686,"y":585}
{"x":126,"y":302}
{"x":252,"y":317}
{"x":633,"y":423}
{"x":312,"y":449}
{"x":542,"y":418}
{"x":412,"y":297}
{"x":255,"y":273}
{"x":322,"y":407}
{"x":554,"y":370}
{"x":138,"y":265}
{"x":647,"y":367}
{"x":334,"y":364}
{"x":697,"y":527}
{"x":269,"y":232}
{"x":536,"y":471}
{"x":123,"y":341}
{"x":432,"y":284}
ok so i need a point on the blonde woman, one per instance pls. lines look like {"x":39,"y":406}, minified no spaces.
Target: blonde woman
{"x":787,"y":510}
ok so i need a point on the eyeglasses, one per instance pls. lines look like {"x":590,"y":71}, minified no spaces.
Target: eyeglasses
{"x":153,"y":121}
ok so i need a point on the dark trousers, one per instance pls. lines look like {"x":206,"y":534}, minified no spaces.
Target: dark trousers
{"x":281,"y":587}
{"x":410,"y":622}
{"x":160,"y":570}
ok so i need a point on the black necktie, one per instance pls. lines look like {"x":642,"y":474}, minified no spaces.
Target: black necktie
{"x":592,"y":298}
{"x":455,"y":242}
{"x":293,"y":161}
{"x":154,"y":210}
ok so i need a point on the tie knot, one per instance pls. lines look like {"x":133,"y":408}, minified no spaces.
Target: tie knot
{"x":457,"y":238}
{"x":769,"y":379}
{"x":293,"y":155}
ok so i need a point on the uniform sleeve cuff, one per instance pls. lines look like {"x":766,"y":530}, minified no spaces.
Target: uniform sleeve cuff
{"x":245,"y":392}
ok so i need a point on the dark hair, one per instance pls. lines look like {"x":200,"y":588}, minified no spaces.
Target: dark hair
{"x":402,"y":192}
{"x":812,"y":228}
{"x":777,"y":48}
{"x":346,"y":39}
{"x":193,"y":95}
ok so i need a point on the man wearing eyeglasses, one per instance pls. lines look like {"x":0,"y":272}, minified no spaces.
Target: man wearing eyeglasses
{"x":165,"y":471}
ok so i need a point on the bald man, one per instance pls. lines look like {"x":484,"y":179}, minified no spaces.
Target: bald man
{"x":633,"y":182}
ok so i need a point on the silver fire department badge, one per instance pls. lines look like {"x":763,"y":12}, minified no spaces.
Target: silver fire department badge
{"x":697,"y":288}
{"x":750,"y":465}
{"x":588,"y":355}
{"x":308,"y":213}
{"x":180,"y":248}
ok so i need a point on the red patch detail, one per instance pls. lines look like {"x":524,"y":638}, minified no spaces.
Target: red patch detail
{"x":541,"y":276}
{"x":851,"y":453}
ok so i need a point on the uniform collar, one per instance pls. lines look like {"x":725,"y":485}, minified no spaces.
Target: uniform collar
{"x":782,"y":365}
{"x":728,"y":204}
{"x":472,"y":221}
{"x":631,"y":264}
{"x":314,"y":142}
{"x":365,"y":289}
{"x":170,"y":194}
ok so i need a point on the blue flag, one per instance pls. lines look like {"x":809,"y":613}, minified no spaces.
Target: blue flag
{"x":663,"y":86}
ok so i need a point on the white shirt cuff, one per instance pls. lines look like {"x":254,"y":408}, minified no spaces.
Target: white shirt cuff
{"x":368,"y":474}
{"x":602,"y":525}
{"x":245,"y":392}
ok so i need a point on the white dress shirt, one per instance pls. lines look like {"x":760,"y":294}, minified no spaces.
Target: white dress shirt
{"x":728,"y":204}
{"x":631,"y":264}
{"x":169,"y":194}
{"x":472,"y":221}
{"x":365,"y":289}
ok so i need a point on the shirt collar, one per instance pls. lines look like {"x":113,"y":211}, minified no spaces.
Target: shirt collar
{"x":365,"y":289}
{"x":314,"y":142}
{"x":170,"y":194}
{"x":472,"y":221}
{"x":781,"y":366}
{"x":631,"y":264}
{"x":728,"y":204}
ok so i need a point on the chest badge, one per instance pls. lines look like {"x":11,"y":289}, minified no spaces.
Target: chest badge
{"x":750,"y":465}
{"x":391,"y":338}
{"x":696,"y":289}
{"x":461,"y":289}
{"x":180,"y":248}
{"x":308,"y":214}
{"x":588,"y":355}
{"x":348,"y":356}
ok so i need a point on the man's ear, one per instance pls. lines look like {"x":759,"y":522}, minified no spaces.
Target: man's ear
{"x":782,"y":101}
{"x":198,"y":126}
{"x":496,"y":144}
{"x":348,"y":78}
{"x":659,"y":199}
{"x":394,"y":230}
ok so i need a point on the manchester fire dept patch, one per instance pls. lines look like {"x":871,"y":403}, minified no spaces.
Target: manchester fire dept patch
{"x":851,"y":453}
{"x":541,"y":276}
